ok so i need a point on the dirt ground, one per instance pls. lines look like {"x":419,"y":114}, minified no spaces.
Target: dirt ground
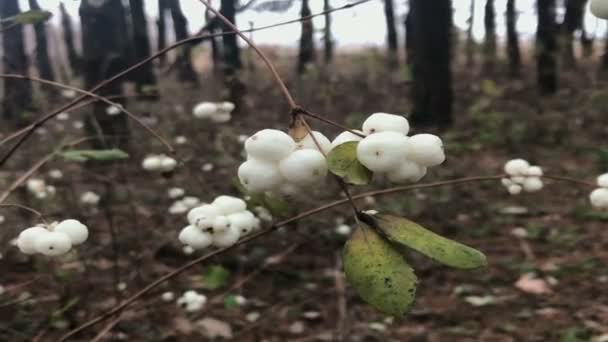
{"x":292,"y":279}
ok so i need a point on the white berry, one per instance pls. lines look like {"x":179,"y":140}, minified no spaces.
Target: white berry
{"x":383,"y":122}
{"x":383,"y":152}
{"x":602,"y":181}
{"x":515,"y":189}
{"x":27,"y":238}
{"x":204,"y":110}
{"x":195,"y":238}
{"x":345,"y":137}
{"x":226,"y":238}
{"x":534,"y":171}
{"x":76,"y":231}
{"x":426,"y":150}
{"x":53,"y":244}
{"x":203,"y":216}
{"x":269,"y":145}
{"x":599,"y":198}
{"x":259,"y":176}
{"x":532,"y":184}
{"x":309,"y":143}
{"x":229,"y":205}
{"x":304,"y":167}
{"x":220,"y":224}
{"x":244,"y":222}
{"x":167,"y":164}
{"x":517,"y":167}
{"x":408,"y":171}
{"x":152,"y":163}
{"x":599,"y":8}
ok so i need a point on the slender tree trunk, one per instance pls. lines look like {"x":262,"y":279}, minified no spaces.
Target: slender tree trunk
{"x":17,"y":97}
{"x":470,"y":47}
{"x":104,"y":46}
{"x":185,"y":71}
{"x":513,"y":51}
{"x":431,"y":25}
{"x":391,"y":30}
{"x":161,"y":24}
{"x":231,"y":51}
{"x":43,"y":60}
{"x":490,"y":36}
{"x":407,"y":22}
{"x":68,"y":36}
{"x":216,"y":53}
{"x":307,"y":47}
{"x":144,"y":77}
{"x":327,"y":36}
{"x":546,"y":45}
{"x":573,"y":21}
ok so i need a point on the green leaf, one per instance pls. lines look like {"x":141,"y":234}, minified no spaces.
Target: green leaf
{"x":32,"y":17}
{"x":448,"y":252}
{"x":215,"y":277}
{"x":342,"y":161}
{"x":277,"y":206}
{"x":379,"y":272}
{"x":100,"y":155}
{"x":230,"y":302}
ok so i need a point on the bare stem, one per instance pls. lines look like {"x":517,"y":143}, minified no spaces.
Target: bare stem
{"x":26,"y":208}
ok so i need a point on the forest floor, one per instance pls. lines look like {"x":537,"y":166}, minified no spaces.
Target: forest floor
{"x":292,"y":279}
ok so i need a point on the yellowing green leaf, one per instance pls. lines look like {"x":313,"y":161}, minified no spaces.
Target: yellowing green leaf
{"x":379,"y":272}
{"x":99,"y":155}
{"x":448,"y":252}
{"x":32,"y":17}
{"x":342,"y":161}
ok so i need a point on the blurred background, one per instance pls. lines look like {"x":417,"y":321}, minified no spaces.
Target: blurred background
{"x":496,"y":79}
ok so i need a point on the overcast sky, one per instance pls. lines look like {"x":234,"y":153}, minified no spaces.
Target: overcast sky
{"x":362,"y":25}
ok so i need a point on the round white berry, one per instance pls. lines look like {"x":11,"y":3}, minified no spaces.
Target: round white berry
{"x":518,"y":179}
{"x":345,"y":137}
{"x":168,"y":296}
{"x":152,"y":163}
{"x":408,"y":171}
{"x":191,"y":201}
{"x":226,"y":106}
{"x":269,"y":145}
{"x":259,"y":176}
{"x":76,"y":231}
{"x":204,"y":110}
{"x":534,"y":171}
{"x":517,"y":167}
{"x":515,"y":189}
{"x":383,"y":122}
{"x":383,"y":152}
{"x":53,"y":244}
{"x":532,"y":184}
{"x":602,"y":181}
{"x":167,"y":164}
{"x":309,"y":143}
{"x":220,"y":224}
{"x":226,"y":238}
{"x":195,"y":238}
{"x":599,"y":8}
{"x":27,"y":238}
{"x":229,"y":205}
{"x":244,"y":222}
{"x":304,"y":167}
{"x":203,"y":216}
{"x":599,"y":198}
{"x":507,"y":182}
{"x":426,"y":150}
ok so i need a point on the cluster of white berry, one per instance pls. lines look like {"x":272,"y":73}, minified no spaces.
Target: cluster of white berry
{"x":191,"y":301}
{"x":39,"y":188}
{"x":387,"y":150}
{"x":221,"y":223}
{"x":159,"y":162}
{"x":599,"y":196}
{"x":522,"y":177}
{"x":181,"y":206}
{"x":275,"y":159}
{"x":217,"y":112}
{"x":53,"y":240}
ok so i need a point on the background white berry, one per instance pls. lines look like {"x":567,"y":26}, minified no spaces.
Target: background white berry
{"x":259,"y":176}
{"x":383,"y":122}
{"x":53,"y":244}
{"x":152,"y":163}
{"x":534,"y":171}
{"x":195,"y":238}
{"x":383,"y":152}
{"x":517,"y":167}
{"x":408,"y":171}
{"x":602,"y":181}
{"x":204,"y":110}
{"x":532,"y":184}
{"x":599,"y":198}
{"x":27,"y":238}
{"x":515,"y":189}
{"x":426,"y":150}
{"x":308,"y":142}
{"x":304,"y":167}
{"x":345,"y":137}
{"x":76,"y":231}
{"x":269,"y":145}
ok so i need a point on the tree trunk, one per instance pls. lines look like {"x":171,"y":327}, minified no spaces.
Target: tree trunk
{"x":68,"y":36}
{"x":215,"y":46}
{"x":431,"y":25}
{"x":586,"y":43}
{"x":185,"y":71}
{"x":307,"y":48}
{"x":573,"y":20}
{"x":43,"y":60}
{"x":231,"y":52}
{"x":513,"y":51}
{"x":144,"y":77}
{"x":17,"y":99}
{"x":407,"y":22}
{"x":490,"y":36}
{"x":327,"y":36}
{"x":470,"y":47}
{"x":546,"y":45}
{"x":391,"y":30}
{"x":104,"y":46}
{"x":161,"y":24}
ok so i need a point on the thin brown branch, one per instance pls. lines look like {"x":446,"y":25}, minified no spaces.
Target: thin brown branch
{"x":26,"y":208}
{"x":329,"y":122}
